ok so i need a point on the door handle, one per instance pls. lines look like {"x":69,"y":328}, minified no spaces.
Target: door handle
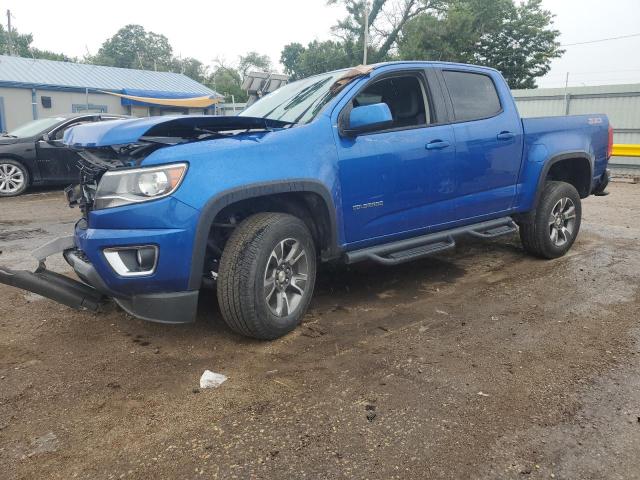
{"x":505,"y":135}
{"x":437,"y":145}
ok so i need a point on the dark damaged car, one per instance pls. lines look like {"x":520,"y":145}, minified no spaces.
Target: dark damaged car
{"x":33,"y":154}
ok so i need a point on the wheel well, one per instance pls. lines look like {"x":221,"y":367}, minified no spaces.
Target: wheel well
{"x":575,"y":171}
{"x":308,"y":206}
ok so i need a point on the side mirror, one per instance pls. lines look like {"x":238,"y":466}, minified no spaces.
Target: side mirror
{"x":57,"y":142}
{"x":368,"y":118}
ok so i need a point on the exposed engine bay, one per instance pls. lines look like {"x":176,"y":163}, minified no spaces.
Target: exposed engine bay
{"x":135,"y":144}
{"x":94,"y":162}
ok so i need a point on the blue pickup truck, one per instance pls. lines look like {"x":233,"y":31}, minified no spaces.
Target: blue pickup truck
{"x":386,"y":163}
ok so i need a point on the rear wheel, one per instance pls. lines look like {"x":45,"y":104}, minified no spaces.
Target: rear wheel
{"x":14,"y":178}
{"x":556,"y":222}
{"x":266,"y":276}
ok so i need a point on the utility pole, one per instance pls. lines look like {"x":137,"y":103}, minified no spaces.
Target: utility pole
{"x":366,"y":32}
{"x":567,"y":97}
{"x":9,"y":40}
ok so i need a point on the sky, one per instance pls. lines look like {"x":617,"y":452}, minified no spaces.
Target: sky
{"x":226,"y":29}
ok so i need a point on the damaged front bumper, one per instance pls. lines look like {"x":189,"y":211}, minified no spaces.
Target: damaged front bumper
{"x":92,"y":291}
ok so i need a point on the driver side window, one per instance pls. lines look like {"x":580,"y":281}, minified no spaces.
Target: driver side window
{"x":404,"y":95}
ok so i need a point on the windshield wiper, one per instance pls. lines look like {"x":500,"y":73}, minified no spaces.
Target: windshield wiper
{"x":285,"y":123}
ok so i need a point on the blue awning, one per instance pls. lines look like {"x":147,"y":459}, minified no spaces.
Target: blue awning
{"x":154,"y":96}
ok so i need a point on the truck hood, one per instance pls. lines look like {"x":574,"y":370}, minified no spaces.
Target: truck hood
{"x":120,"y":132}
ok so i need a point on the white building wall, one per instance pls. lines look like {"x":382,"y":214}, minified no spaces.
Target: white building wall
{"x":63,"y":102}
{"x":18,"y":107}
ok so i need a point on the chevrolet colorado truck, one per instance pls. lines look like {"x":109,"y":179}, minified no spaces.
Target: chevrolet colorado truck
{"x":386,"y":163}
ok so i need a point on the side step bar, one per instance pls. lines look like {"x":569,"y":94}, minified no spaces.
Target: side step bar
{"x":418,"y":247}
{"x":55,"y":286}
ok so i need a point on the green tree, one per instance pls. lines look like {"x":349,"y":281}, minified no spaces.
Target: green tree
{"x":518,"y":39}
{"x":455,"y":34}
{"x":21,"y":46}
{"x":227,"y":81}
{"x":524,"y":45}
{"x":386,"y":19}
{"x":192,"y":68}
{"x":290,"y":57}
{"x":316,"y":57}
{"x":133,"y":47}
{"x":254,"y":61}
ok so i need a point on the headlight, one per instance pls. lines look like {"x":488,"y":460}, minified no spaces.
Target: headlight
{"x":138,"y":185}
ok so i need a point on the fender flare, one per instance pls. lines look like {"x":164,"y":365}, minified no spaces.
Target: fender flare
{"x":223,"y":199}
{"x":578,"y":154}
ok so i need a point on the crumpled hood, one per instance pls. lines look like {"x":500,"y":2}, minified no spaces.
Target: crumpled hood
{"x":120,"y":132}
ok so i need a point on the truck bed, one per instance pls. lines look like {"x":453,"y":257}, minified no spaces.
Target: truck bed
{"x":569,"y":133}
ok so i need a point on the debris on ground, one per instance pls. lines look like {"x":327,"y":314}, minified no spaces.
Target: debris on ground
{"x":312,"y":331}
{"x":47,"y":443}
{"x":211,"y":379}
{"x":371,"y":412}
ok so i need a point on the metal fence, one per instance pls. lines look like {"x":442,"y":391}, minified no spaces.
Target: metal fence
{"x":229,"y":109}
{"x":621,"y":103}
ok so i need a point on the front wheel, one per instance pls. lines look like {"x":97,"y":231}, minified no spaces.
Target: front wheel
{"x":266,"y":276}
{"x":14,"y":178}
{"x":556,"y":222}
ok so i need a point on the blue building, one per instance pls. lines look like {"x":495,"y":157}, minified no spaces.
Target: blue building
{"x":31,"y":88}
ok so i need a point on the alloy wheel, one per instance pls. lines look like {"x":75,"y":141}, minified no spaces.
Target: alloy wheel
{"x":285,"y":277}
{"x":562,"y":221}
{"x":11,"y":178}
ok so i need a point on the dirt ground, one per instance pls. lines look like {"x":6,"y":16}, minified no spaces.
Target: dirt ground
{"x":481,"y":363}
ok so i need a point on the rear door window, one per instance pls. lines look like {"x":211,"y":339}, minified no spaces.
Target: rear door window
{"x":473,"y":95}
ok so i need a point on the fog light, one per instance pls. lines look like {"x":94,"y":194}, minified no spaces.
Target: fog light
{"x":132,"y":261}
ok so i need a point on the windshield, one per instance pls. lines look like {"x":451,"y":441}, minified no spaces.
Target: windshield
{"x":297,"y":102}
{"x":34,"y":127}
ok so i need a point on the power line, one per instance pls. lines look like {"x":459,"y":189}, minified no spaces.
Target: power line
{"x":629,"y":72}
{"x":601,"y":40}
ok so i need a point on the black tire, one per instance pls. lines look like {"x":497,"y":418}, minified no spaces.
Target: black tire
{"x":537,"y":234}
{"x":248,"y":258}
{"x":6,"y":165}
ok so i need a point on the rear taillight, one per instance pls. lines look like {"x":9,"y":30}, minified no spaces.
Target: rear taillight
{"x":610,"y":146}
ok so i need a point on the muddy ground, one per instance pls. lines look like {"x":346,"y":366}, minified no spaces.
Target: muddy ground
{"x":481,"y":363}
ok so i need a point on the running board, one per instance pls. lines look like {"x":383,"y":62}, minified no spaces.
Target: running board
{"x":418,"y":247}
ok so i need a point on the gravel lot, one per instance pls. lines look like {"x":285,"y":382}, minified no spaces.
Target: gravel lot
{"x":481,"y":363}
